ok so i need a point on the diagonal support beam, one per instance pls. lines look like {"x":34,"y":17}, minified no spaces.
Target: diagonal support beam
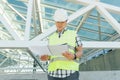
{"x":83,"y":20}
{"x":37,"y":60}
{"x":16,"y":11}
{"x":83,"y":2}
{"x":4,"y":61}
{"x":4,"y":19}
{"x":109,"y":18}
{"x":81,"y":12}
{"x":45,"y":34}
{"x":111,"y":8}
{"x":12,"y":8}
{"x":70,"y":18}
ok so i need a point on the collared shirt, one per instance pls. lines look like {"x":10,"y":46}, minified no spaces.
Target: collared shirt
{"x":62,"y":32}
{"x":60,"y":72}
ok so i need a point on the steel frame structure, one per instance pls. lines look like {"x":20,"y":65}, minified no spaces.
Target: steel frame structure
{"x":25,"y":42}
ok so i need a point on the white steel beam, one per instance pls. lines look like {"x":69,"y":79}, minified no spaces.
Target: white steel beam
{"x":109,"y":18}
{"x":16,"y":11}
{"x":34,"y":18}
{"x":20,"y":44}
{"x":82,"y":2}
{"x":83,"y":20}
{"x":70,"y":18}
{"x":7,"y":24}
{"x":4,"y":61}
{"x":86,"y":44}
{"x":39,"y":12}
{"x":100,"y":44}
{"x":4,"y":34}
{"x":81,"y":12}
{"x":97,"y":0}
{"x":110,"y":8}
{"x":28,"y":21}
{"x":45,"y":34}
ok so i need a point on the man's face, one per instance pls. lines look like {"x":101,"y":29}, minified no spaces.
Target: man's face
{"x":61,"y":25}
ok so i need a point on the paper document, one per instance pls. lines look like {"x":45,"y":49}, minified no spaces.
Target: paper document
{"x":56,"y":50}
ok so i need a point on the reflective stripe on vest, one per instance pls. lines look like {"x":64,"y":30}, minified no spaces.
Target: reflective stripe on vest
{"x":69,"y":38}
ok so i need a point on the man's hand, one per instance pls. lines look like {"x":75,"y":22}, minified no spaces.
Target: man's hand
{"x":44,"y":57}
{"x":68,"y":55}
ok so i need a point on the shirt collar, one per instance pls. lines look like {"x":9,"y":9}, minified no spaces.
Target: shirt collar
{"x":62,"y":31}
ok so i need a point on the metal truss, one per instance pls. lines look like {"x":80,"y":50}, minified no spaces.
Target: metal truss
{"x":23,"y":39}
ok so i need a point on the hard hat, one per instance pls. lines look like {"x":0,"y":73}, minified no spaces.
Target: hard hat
{"x":60,"y":15}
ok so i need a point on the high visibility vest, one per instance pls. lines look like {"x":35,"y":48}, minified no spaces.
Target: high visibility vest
{"x":69,"y":37}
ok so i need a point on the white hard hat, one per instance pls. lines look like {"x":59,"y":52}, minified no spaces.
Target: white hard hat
{"x":60,"y":15}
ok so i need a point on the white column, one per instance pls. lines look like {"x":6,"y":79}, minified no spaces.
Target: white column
{"x":28,"y":22}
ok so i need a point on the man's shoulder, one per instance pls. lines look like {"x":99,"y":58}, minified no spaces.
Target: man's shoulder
{"x":72,"y":31}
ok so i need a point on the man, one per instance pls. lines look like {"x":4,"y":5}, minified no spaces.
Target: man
{"x":66,"y":67}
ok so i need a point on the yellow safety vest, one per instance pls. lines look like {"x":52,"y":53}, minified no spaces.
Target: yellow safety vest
{"x":69,"y":38}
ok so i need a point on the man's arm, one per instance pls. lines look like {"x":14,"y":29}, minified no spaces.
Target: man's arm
{"x":74,"y":56}
{"x":79,"y":52}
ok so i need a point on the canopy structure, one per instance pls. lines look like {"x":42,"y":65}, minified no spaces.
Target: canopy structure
{"x":24,"y":23}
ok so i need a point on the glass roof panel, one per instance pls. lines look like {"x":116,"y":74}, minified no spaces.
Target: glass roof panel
{"x":76,"y":21}
{"x":112,"y":2}
{"x":17,"y":5}
{"x":89,"y":34}
{"x":48,"y":13}
{"x":116,"y":16}
{"x":62,"y":4}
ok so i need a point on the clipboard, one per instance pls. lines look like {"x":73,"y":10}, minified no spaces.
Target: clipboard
{"x":55,"y":50}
